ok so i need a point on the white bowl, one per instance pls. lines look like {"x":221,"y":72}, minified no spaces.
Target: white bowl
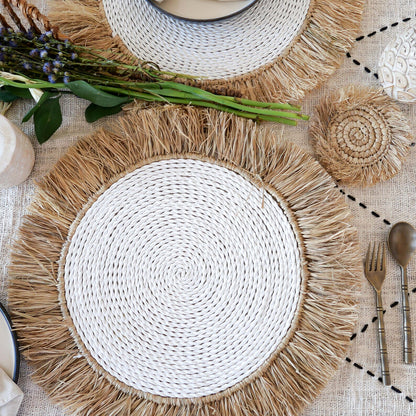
{"x":202,"y":10}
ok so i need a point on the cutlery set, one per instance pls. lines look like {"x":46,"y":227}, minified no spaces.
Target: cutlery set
{"x":402,"y":243}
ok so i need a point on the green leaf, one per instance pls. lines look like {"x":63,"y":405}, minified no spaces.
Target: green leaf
{"x":48,"y":119}
{"x":45,"y":96}
{"x":19,"y":92}
{"x":103,"y":99}
{"x":94,"y":112}
{"x":7,"y":96}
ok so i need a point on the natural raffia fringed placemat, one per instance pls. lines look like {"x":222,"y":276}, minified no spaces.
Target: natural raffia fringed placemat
{"x":275,"y":50}
{"x":185,"y":262}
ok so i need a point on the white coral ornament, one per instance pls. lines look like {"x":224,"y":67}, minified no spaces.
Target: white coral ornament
{"x":397,"y":67}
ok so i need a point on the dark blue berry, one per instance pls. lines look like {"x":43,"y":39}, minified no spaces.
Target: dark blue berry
{"x":47,"y":68}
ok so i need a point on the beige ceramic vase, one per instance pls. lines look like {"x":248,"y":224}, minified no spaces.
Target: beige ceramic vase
{"x":16,"y":154}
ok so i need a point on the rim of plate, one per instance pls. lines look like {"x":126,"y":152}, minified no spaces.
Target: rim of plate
{"x":216,"y":19}
{"x":15,"y":343}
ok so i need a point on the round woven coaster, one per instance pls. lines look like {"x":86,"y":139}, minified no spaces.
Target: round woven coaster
{"x":276,"y":49}
{"x":360,"y":135}
{"x":177,"y":276}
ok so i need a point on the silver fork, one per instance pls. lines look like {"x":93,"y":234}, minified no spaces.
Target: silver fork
{"x":375,"y":272}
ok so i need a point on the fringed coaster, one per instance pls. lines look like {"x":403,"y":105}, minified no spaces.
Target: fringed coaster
{"x":360,"y":136}
{"x":184,"y":263}
{"x":275,"y":50}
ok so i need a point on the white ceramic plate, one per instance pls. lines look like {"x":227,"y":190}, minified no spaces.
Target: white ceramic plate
{"x":9,"y":352}
{"x":202,"y":10}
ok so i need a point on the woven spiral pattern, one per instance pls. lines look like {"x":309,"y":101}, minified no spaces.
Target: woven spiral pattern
{"x":183,"y":278}
{"x":216,"y":50}
{"x":274,"y":51}
{"x":185,"y":262}
{"x":360,"y":135}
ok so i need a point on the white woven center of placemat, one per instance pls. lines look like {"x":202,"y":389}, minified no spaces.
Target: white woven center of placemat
{"x":183,"y":278}
{"x":216,"y":50}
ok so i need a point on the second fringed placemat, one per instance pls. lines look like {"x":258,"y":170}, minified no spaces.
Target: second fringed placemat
{"x":183,"y":262}
{"x":275,"y":50}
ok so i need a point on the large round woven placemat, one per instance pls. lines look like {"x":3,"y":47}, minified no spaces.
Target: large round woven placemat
{"x":185,"y":263}
{"x":275,"y":50}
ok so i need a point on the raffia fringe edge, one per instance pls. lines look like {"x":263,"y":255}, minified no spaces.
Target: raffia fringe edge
{"x":315,"y":53}
{"x":297,"y":374}
{"x":363,"y":98}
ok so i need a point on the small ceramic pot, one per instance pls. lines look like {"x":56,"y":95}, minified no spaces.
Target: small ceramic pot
{"x":16,"y":154}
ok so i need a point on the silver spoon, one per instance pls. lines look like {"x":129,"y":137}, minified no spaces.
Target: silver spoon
{"x":402,"y":243}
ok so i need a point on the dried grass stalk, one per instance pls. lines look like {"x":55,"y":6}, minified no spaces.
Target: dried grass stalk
{"x":295,"y":375}
{"x":360,"y":135}
{"x":327,"y":34}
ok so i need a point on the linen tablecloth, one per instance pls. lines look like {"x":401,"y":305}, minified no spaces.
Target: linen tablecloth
{"x":355,"y":390}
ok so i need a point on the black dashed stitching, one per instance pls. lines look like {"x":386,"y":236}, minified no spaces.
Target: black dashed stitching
{"x":362,"y":205}
{"x":395,"y":389}
{"x":382,"y":29}
{"x":358,"y":63}
{"x":364,"y":328}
